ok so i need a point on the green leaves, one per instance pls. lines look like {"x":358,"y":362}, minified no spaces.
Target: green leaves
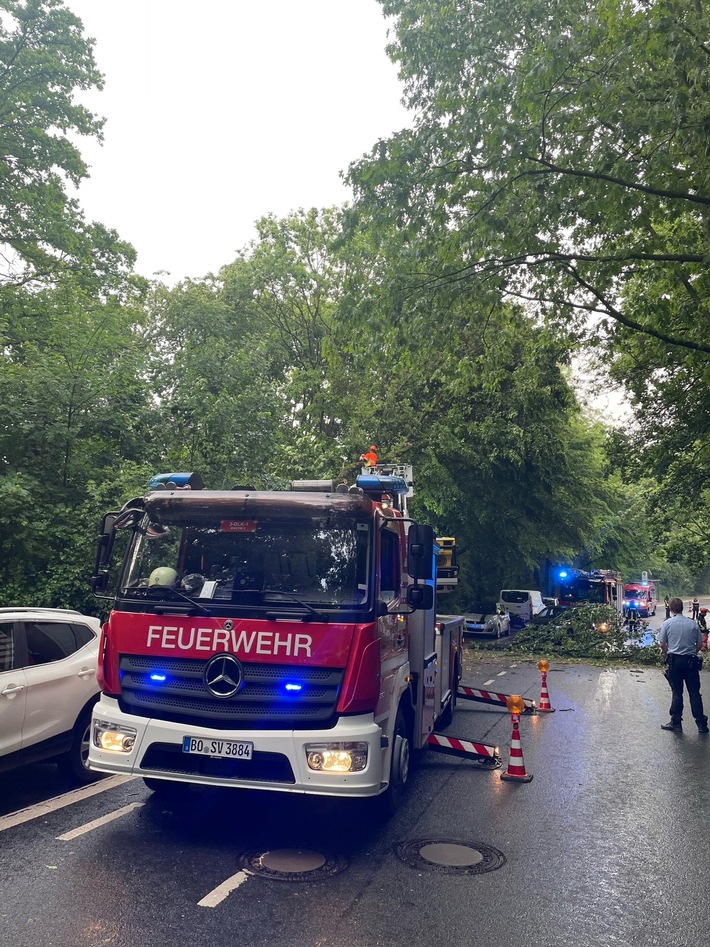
{"x":45,"y":61}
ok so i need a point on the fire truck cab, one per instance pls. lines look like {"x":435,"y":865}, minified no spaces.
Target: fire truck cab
{"x":641,"y":597}
{"x":597,"y":587}
{"x":274,"y":640}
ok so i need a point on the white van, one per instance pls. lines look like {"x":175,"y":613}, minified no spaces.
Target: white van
{"x":522,"y":603}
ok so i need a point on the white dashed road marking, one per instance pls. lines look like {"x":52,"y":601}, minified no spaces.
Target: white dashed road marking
{"x":97,"y":823}
{"x":218,"y":894}
{"x":59,"y":802}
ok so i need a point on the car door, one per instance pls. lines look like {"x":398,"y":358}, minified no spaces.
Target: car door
{"x":13,"y":690}
{"x":61,"y":676}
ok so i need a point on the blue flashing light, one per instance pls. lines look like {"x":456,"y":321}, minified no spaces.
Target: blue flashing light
{"x":563,"y":573}
{"x":159,"y":678}
{"x":176,"y":481}
{"x":293,"y":687}
{"x":371,"y":483}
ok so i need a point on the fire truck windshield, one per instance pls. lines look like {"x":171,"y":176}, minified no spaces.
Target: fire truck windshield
{"x":241,"y":561}
{"x":583,"y":590}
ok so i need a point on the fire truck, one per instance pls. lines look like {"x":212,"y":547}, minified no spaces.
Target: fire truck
{"x":597,"y":587}
{"x":641,"y":597}
{"x":274,"y":640}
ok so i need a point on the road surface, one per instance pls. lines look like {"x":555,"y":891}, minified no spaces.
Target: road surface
{"x":606,"y":846}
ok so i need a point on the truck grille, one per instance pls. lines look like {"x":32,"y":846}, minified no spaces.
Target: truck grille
{"x":262,"y":702}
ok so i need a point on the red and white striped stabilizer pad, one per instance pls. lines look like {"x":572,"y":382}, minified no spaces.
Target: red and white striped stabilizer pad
{"x":488,"y":697}
{"x":516,"y":764}
{"x":481,"y":752}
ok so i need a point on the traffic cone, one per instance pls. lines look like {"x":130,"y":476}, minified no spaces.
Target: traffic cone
{"x":545,"y":705}
{"x":516,"y":764}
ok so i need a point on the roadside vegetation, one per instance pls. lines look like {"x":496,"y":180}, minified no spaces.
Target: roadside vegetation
{"x":548,"y":205}
{"x":590,"y":632}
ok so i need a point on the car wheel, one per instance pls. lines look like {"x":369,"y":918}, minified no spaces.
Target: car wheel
{"x":74,"y":765}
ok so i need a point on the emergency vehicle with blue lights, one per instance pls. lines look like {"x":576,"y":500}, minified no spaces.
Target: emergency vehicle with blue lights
{"x":595,"y":587}
{"x":273,"y":640}
{"x":641,"y":597}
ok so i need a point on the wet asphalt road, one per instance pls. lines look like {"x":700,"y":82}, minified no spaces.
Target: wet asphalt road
{"x":606,"y":846}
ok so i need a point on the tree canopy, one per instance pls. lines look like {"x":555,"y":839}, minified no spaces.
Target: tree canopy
{"x":550,"y":198}
{"x":45,"y":63}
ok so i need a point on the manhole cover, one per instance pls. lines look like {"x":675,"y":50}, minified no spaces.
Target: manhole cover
{"x":450,"y":856}
{"x":292,"y":864}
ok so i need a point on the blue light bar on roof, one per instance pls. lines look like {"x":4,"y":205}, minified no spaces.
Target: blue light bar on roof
{"x":176,"y":481}
{"x":370,"y":483}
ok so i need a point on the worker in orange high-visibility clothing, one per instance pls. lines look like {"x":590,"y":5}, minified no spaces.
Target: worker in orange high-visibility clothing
{"x":370,"y":457}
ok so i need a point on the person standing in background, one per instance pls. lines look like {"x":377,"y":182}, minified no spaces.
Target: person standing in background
{"x":667,"y":603}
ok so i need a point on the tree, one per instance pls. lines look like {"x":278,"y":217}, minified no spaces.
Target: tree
{"x":562,"y":147}
{"x":559,"y":153}
{"x":45,"y":61}
{"x":217,"y":410}
{"x":73,"y":382}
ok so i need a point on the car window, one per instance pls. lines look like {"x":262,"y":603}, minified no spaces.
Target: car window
{"x":84,"y":635}
{"x":516,"y":598}
{"x":49,"y":641}
{"x":483,"y":607}
{"x":7,"y":646}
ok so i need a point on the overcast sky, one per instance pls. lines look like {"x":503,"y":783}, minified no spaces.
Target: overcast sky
{"x":221,"y":112}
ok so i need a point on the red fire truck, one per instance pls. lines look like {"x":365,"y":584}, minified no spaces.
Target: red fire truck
{"x":598,"y":587}
{"x":280,"y":640}
{"x":641,"y":596}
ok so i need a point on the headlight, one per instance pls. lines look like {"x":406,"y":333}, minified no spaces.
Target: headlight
{"x":337,"y":757}
{"x":111,"y":736}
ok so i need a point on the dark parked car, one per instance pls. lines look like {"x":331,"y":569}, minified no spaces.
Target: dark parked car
{"x":549,"y":614}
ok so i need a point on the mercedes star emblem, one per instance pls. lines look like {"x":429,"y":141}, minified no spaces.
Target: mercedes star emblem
{"x":223,"y":676}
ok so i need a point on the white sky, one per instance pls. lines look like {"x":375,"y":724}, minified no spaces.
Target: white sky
{"x":221,"y":112}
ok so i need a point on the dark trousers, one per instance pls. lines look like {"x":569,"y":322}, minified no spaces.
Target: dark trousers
{"x":683,"y":670}
{"x":668,"y":611}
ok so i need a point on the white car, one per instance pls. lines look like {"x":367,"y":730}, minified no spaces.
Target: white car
{"x":486,"y":618}
{"x":48,"y":686}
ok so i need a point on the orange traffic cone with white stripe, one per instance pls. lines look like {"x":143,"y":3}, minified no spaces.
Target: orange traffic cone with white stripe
{"x":516,"y":765}
{"x":545,"y":706}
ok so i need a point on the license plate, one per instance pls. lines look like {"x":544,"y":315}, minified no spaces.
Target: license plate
{"x":224,"y":749}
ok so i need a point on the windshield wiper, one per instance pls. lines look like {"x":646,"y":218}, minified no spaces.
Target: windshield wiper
{"x":179,"y":594}
{"x":289,"y":599}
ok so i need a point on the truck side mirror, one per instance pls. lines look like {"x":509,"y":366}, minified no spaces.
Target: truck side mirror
{"x":105,"y":541}
{"x":420,"y":552}
{"x":420,"y":596}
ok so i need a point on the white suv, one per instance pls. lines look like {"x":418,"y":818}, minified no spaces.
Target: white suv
{"x":48,"y":659}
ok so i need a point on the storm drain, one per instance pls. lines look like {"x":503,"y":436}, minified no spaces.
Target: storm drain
{"x":292,"y":864}
{"x":450,"y":856}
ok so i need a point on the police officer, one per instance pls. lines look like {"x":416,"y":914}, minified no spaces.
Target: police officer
{"x":667,"y":603}
{"x":680,"y":639}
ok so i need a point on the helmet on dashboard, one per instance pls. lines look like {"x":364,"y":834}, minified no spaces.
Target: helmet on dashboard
{"x":163,"y":575}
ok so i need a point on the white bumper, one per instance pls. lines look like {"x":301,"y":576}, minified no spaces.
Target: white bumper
{"x":288,"y":744}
